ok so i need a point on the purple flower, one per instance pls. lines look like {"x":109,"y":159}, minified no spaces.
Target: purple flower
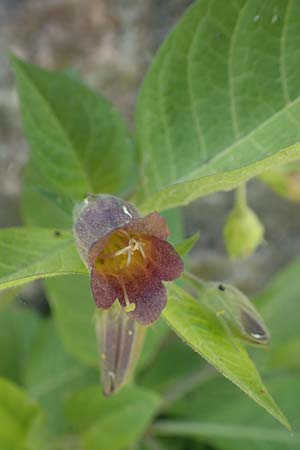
{"x":127,"y":255}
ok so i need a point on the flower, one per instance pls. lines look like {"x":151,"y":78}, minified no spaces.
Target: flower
{"x":127,"y":255}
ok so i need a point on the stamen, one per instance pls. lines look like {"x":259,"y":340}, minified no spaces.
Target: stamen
{"x":128,"y":259}
{"x":123,"y":250}
{"x":133,"y":246}
{"x":129,"y":306}
{"x":124,"y":232}
{"x":142,"y":250}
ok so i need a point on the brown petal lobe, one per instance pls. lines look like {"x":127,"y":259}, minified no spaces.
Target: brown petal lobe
{"x":149,"y":296}
{"x":105,"y":289}
{"x":153,"y":224}
{"x":165,"y":259}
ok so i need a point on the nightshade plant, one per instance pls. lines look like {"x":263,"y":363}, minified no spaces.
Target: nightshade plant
{"x":218,"y":106}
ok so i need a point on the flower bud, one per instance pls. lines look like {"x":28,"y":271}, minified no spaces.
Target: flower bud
{"x":120,"y":343}
{"x":285,"y":181}
{"x":243,"y":232}
{"x":236,"y":312}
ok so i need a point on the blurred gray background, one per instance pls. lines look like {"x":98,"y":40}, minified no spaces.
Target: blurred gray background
{"x":111,"y":43}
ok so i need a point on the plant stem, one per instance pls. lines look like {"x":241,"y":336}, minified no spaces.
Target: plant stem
{"x":194,"y":280}
{"x":241,"y":196}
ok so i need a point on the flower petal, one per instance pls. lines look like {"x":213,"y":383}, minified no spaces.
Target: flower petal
{"x":149,"y":296}
{"x":97,"y":216}
{"x":153,"y":224}
{"x":105,"y":289}
{"x":165,"y":259}
{"x":96,"y":248}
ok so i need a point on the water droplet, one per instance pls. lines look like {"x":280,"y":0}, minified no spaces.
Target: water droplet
{"x":256,"y":18}
{"x":274,"y":18}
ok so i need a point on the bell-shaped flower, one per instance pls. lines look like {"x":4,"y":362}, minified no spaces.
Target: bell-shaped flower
{"x":127,"y":255}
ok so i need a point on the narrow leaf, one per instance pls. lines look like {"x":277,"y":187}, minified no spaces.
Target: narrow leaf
{"x":184,"y":247}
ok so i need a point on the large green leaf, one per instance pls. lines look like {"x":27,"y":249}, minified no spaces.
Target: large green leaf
{"x":41,"y":207}
{"x":79,"y":142}
{"x":154,"y":339}
{"x":113,"y":423}
{"x":73,"y":312}
{"x":221,"y":101}
{"x":51,"y":375}
{"x":200,"y":328}
{"x":279,"y":304}
{"x":17,"y":413}
{"x":27,"y":254}
{"x":18,"y":328}
{"x":168,"y":377}
{"x":218,"y":414}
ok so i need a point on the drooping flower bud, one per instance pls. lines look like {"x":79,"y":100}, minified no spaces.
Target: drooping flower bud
{"x":243,"y":232}
{"x":127,"y":256}
{"x":120,"y":342}
{"x":284,"y":180}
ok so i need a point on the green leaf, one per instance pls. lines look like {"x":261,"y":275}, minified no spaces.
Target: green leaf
{"x":200,"y":328}
{"x":51,"y":376}
{"x":27,"y":254}
{"x":174,"y":219}
{"x":184,"y":247}
{"x":217,"y":414}
{"x":284,"y":180}
{"x":18,"y":328}
{"x":17,"y":413}
{"x":73,"y":312}
{"x":40,"y":206}
{"x":113,"y":423}
{"x":214,"y":110}
{"x":168,"y":377}
{"x":78,"y":141}
{"x":154,"y":339}
{"x":279,"y":305}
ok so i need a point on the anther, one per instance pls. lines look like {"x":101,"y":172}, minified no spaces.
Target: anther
{"x":133,"y":246}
